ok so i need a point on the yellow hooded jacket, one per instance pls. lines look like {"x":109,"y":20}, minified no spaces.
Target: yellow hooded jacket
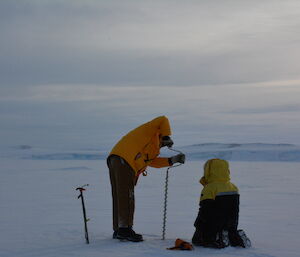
{"x":216,"y":180}
{"x":141,"y":146}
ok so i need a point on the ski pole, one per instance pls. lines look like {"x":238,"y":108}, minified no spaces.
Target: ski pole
{"x":81,"y":189}
{"x":166,"y":195}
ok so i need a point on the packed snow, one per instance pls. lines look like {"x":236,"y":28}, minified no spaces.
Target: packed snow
{"x":42,"y":216}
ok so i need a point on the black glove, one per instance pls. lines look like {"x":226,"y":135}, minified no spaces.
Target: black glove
{"x":177,"y":158}
{"x":166,"y":141}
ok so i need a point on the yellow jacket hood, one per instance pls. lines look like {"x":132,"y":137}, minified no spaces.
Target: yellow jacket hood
{"x":216,"y":179}
{"x":215,"y":170}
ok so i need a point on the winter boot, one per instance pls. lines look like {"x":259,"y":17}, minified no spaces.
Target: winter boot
{"x":128,"y":234}
{"x":245,"y":239}
{"x":239,"y":239}
{"x":222,"y":238}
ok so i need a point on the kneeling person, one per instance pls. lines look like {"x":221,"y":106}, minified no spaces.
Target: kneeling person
{"x":217,"y":221}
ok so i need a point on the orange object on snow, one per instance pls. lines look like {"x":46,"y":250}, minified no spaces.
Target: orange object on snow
{"x":181,"y":245}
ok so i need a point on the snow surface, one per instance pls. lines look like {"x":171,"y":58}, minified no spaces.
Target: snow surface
{"x":41,"y":215}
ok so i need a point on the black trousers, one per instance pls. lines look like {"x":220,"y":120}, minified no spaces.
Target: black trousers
{"x":215,"y":216}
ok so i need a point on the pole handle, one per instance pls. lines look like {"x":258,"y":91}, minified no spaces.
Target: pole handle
{"x":82,"y":188}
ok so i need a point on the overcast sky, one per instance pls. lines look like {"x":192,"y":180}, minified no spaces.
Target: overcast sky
{"x":83,"y":73}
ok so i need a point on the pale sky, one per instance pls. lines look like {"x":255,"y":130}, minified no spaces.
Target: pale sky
{"x":83,"y":73}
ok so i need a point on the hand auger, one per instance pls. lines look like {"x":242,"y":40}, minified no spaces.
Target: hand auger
{"x":81,"y":189}
{"x":166,"y":195}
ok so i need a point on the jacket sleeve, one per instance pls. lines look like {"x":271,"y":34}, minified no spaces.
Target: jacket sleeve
{"x":160,"y":162}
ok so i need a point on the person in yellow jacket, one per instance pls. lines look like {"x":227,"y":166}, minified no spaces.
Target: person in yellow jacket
{"x":217,"y":221}
{"x":129,"y":158}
